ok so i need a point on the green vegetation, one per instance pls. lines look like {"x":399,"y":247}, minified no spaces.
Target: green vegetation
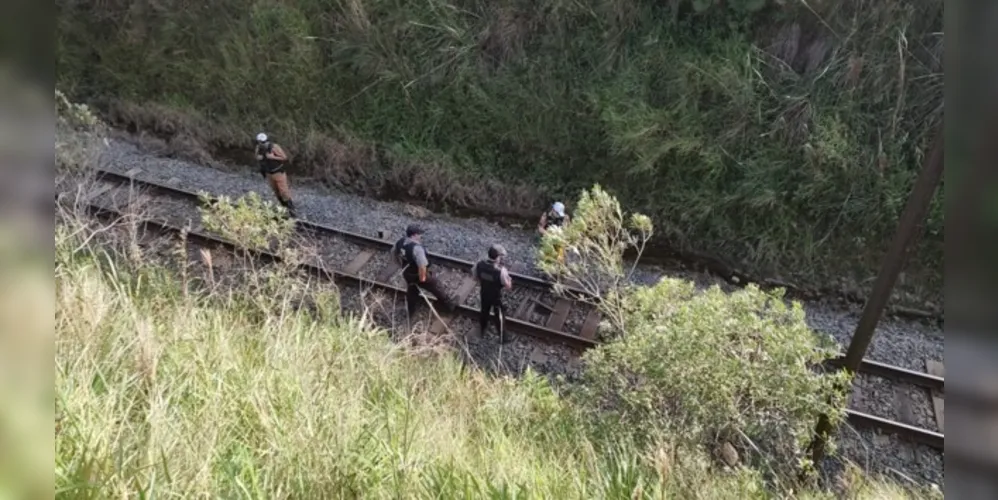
{"x":230,"y":378}
{"x":163,"y":390}
{"x":780,"y":135}
{"x":700,"y":368}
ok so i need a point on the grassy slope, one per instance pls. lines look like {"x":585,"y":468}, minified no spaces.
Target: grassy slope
{"x":167,"y":394}
{"x":780,"y":149}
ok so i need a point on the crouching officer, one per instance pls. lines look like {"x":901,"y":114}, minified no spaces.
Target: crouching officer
{"x":555,"y":217}
{"x":493,"y":278}
{"x":411,"y":256}
{"x":272,"y":157}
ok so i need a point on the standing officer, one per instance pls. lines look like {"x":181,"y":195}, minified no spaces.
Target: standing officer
{"x":555,"y":217}
{"x":272,"y":157}
{"x":493,"y":278}
{"x":411,"y":256}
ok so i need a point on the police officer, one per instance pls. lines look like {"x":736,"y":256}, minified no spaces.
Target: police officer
{"x":411,"y":256}
{"x":272,"y":157}
{"x":493,"y":278}
{"x":554,"y":217}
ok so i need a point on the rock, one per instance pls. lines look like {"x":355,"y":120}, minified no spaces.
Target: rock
{"x":856,"y":398}
{"x":414,"y":211}
{"x":538,"y":356}
{"x":881,"y":440}
{"x":728,"y":454}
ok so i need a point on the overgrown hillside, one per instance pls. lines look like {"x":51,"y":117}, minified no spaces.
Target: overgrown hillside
{"x":190,"y":371}
{"x":784,"y":139}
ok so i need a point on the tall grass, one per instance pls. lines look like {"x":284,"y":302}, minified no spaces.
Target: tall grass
{"x":162,"y":392}
{"x":781,"y":140}
{"x":215,"y":378}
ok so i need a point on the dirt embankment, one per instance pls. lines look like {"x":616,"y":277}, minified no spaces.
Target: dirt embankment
{"x":342,"y":162}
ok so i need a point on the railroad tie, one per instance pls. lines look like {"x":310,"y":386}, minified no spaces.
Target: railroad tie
{"x":936,"y":368}
{"x":557,"y":319}
{"x":465,"y":290}
{"x":358,"y":262}
{"x":523,"y":312}
{"x":386,"y":274}
{"x":467,"y":285}
{"x":591,"y":325}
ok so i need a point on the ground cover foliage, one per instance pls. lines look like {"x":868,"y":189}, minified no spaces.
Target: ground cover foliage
{"x":169,"y":384}
{"x":779,"y":135}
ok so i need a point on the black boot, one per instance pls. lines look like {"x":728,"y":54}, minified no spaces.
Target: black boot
{"x":290,"y":205}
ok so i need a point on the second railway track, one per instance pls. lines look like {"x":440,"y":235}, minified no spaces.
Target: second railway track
{"x":535,"y":309}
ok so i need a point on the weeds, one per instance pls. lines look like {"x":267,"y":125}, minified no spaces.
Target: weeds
{"x":170,"y":390}
{"x":731,"y":371}
{"x":780,"y":140}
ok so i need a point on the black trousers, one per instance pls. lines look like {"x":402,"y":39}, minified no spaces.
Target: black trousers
{"x":492,"y":303}
{"x":412,"y":298}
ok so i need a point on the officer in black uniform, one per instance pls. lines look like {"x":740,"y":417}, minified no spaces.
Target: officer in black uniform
{"x":493,"y":278}
{"x":411,"y":256}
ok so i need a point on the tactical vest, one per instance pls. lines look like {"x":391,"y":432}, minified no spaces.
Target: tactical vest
{"x":407,"y":252}
{"x":490,"y":277}
{"x":554,"y":219}
{"x":266,"y":164}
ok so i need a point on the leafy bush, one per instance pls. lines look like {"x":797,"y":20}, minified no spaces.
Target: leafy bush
{"x":249,"y":221}
{"x":705,"y":368}
{"x":595,"y":240}
{"x":80,"y":149}
{"x":75,"y":115}
{"x":700,"y":368}
{"x":257,"y":224}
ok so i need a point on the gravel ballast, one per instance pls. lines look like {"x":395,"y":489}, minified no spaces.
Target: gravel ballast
{"x":898,"y":342}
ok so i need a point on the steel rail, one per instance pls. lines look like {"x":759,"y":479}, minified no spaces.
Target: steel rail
{"x":876,"y":368}
{"x":917,"y":434}
{"x":515,"y":324}
{"x":867,"y":366}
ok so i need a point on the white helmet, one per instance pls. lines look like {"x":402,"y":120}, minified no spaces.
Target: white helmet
{"x":261,"y":137}
{"x":559,"y":208}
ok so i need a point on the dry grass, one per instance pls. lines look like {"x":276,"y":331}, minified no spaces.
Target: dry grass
{"x":184,"y":391}
{"x":162,"y":388}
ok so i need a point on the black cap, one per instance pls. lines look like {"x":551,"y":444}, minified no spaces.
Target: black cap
{"x":495,"y":251}
{"x":413,"y":229}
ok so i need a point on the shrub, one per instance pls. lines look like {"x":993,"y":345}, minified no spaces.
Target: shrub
{"x":708,"y":368}
{"x":257,"y":224}
{"x":249,"y":221}
{"x":701,"y":368}
{"x":595,"y":240}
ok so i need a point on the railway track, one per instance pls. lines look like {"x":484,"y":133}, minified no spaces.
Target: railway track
{"x":363,"y":260}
